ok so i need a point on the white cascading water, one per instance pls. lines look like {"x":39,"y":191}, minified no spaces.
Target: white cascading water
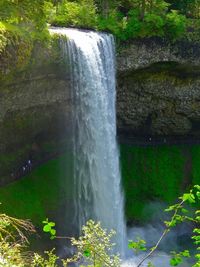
{"x":97,"y":176}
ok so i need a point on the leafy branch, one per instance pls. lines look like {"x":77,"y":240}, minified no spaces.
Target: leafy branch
{"x":178,"y":216}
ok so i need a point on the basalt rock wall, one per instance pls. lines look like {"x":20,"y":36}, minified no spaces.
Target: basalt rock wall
{"x":158,"y":94}
{"x":35,"y":108}
{"x":158,"y":91}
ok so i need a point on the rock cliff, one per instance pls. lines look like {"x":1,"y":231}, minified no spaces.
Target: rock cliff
{"x":34,"y":112}
{"x":158,"y":89}
{"x":158,"y":93}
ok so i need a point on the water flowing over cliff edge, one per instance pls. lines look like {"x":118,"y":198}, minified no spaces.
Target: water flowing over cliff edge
{"x":97,"y":178}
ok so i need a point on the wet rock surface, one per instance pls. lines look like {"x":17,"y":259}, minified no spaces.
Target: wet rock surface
{"x":35,"y":113}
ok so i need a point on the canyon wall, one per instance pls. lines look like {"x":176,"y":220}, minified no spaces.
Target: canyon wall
{"x":158,"y":94}
{"x":34,"y":112}
{"x":158,"y":90}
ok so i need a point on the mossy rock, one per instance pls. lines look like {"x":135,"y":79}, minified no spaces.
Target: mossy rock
{"x":156,"y":174}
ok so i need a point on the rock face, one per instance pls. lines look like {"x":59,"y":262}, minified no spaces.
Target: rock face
{"x":35,"y":111}
{"x":142,"y":53}
{"x":158,"y":90}
{"x":158,"y":93}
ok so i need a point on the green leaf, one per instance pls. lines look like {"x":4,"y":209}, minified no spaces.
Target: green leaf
{"x":172,"y":223}
{"x":185,"y":253}
{"x":189,"y":197}
{"x":53,"y":232}
{"x":131,"y":244}
{"x":86,"y":253}
{"x":197,"y":186}
{"x":184,"y":210}
{"x":150,"y":264}
{"x":175,"y":261}
{"x":138,"y":245}
{"x":196,"y":230}
{"x":52,"y":224}
{"x":197,"y":256}
{"x":47,"y":228}
{"x":197,"y":219}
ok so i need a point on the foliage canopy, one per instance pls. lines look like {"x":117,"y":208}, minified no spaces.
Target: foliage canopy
{"x":124,"y":18}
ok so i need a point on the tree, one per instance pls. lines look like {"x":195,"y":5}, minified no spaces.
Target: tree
{"x":106,"y":6}
{"x":150,"y":6}
{"x":190,"y":8}
{"x":80,"y":13}
{"x":94,"y":246}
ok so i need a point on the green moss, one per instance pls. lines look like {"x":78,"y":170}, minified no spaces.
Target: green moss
{"x":195,"y":164}
{"x":22,"y":51}
{"x":11,"y":161}
{"x":37,"y":195}
{"x":155,"y":173}
{"x":15,"y":50}
{"x":179,"y":74}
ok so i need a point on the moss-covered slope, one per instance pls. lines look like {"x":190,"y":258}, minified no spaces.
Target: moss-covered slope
{"x":157,"y":173}
{"x":151,"y":173}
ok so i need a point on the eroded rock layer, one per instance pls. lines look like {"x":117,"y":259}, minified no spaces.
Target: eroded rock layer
{"x":34,"y":113}
{"x":159,"y":89}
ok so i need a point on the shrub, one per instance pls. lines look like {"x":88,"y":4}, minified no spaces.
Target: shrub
{"x":134,"y":25}
{"x":153,"y":25}
{"x":112,"y":23}
{"x":79,"y":14}
{"x":175,"y":25}
{"x":13,"y":241}
{"x":94,"y":247}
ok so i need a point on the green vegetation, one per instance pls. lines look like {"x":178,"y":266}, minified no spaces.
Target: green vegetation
{"x":94,"y":247}
{"x":149,"y":174}
{"x":26,"y":17}
{"x":13,"y":240}
{"x":25,"y":23}
{"x":22,"y":23}
{"x":14,"y":244}
{"x":36,"y":195}
{"x":126,"y":19}
{"x":156,"y":173}
{"x":74,"y":13}
{"x":179,"y":214}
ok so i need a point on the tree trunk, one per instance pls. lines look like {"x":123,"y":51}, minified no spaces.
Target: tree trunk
{"x":105,"y":8}
{"x":143,"y":9}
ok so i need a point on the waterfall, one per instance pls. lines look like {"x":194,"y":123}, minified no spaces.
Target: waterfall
{"x":97,"y":176}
